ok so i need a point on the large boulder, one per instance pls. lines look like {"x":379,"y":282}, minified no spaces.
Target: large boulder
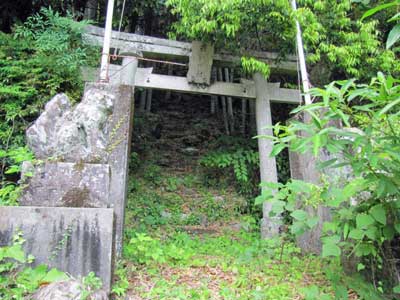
{"x":73,"y":134}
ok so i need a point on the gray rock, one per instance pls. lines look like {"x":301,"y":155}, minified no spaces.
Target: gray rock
{"x":67,"y":290}
{"x":166,"y":215}
{"x":74,"y":240}
{"x":66,"y":185}
{"x":74,"y":134}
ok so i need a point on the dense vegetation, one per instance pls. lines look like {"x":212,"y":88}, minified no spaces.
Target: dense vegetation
{"x":41,"y":55}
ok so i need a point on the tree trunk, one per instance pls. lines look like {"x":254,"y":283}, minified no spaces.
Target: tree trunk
{"x":148,"y":100}
{"x":142,"y":105}
{"x":213,"y":98}
{"x":91,"y":10}
{"x":244,"y":111}
{"x":252,"y":121}
{"x":223,"y":102}
{"x":168,"y":93}
{"x":231,"y":118}
{"x":214,"y":101}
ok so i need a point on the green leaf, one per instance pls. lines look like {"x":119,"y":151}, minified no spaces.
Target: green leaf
{"x":378,"y":213}
{"x":299,"y":215}
{"x":277,"y":149}
{"x":330,"y":249}
{"x":54,"y":275}
{"x":396,"y":289}
{"x":327,"y":163}
{"x":356,"y":234}
{"x":388,"y":107}
{"x":388,"y":232}
{"x":397,"y":227}
{"x":393,"y":37}
{"x":378,"y":8}
{"x":346,"y":230}
{"x":312,"y":222}
{"x":363,"y":221}
{"x":360,"y":267}
{"x":15,"y":252}
{"x":372,"y":233}
{"x":298,"y":228}
{"x":278,"y":207}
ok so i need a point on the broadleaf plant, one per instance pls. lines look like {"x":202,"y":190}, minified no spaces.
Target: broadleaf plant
{"x":358,"y":125}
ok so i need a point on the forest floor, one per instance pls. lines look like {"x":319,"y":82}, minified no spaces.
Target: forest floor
{"x":186,"y":239}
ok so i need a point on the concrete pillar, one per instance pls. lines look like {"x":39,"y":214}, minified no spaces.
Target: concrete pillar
{"x":268,"y":171}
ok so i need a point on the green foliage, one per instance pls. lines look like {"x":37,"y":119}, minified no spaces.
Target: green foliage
{"x":394,"y":34}
{"x":17,"y":280}
{"x":56,"y":36}
{"x":239,"y":265}
{"x":42,"y":58}
{"x":90,"y":284}
{"x":121,"y":284}
{"x":144,"y":249}
{"x":332,"y":32}
{"x":241,"y":161}
{"x":365,"y":206}
{"x":153,"y":174}
{"x":251,"y":66}
{"x":10,"y":164}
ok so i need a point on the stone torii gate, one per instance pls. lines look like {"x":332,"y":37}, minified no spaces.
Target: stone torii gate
{"x":201,"y":58}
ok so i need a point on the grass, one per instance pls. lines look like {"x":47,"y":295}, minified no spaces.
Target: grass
{"x":185,"y":241}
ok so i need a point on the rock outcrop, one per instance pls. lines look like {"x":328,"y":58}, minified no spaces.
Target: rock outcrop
{"x":73,"y":134}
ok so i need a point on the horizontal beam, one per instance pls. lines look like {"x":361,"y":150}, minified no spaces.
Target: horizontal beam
{"x":152,"y":47}
{"x":180,"y":84}
{"x":145,"y":79}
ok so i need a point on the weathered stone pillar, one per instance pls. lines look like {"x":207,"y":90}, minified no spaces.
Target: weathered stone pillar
{"x":129,"y":68}
{"x":268,"y":171}
{"x":119,"y":129}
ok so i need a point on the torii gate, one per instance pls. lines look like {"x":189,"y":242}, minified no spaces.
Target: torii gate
{"x":201,"y":58}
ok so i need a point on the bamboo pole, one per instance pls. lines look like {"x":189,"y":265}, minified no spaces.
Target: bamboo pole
{"x":302,"y":59}
{"x":107,"y":42}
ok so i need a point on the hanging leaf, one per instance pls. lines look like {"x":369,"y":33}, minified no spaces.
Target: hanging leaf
{"x":393,"y":37}
{"x":378,"y":8}
{"x":330,"y":249}
{"x":378,"y":213}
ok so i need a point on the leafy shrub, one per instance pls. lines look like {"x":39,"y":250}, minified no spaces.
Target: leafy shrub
{"x":241,"y":161}
{"x":153,"y":174}
{"x":41,"y":59}
{"x":144,"y":249}
{"x":365,"y":209}
{"x":9,"y":190}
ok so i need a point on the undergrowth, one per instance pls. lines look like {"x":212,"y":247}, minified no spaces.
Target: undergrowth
{"x":17,"y":278}
{"x":183,"y":242}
